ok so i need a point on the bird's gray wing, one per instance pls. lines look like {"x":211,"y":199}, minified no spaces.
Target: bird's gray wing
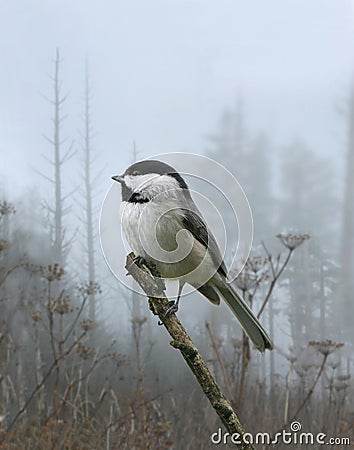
{"x":196,"y":225}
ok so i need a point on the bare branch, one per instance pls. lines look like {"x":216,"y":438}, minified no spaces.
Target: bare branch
{"x":42,"y":175}
{"x":159,"y":304}
{"x":276,"y":275}
{"x":220,"y":361}
{"x":44,"y":379}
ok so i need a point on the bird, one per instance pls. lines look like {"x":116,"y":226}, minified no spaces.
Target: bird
{"x":164,"y":227}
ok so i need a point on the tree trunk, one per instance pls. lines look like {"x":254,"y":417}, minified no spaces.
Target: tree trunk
{"x":346,"y":238}
{"x":58,"y":212}
{"x":88,"y":197}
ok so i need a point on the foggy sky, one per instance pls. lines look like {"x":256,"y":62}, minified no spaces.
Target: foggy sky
{"x":162,"y":73}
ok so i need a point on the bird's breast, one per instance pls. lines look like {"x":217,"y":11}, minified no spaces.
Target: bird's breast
{"x":149,"y":227}
{"x":158,"y":235}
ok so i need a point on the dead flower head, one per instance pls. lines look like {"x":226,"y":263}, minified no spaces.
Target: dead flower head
{"x":292,"y":240}
{"x":246,"y":281}
{"x":326,"y":347}
{"x":89,"y":288}
{"x":87,"y":324}
{"x":37,"y":316}
{"x":341,"y":386}
{"x":345,"y":377}
{"x":84,"y":351}
{"x":51,"y":272}
{"x":256,"y":263}
{"x":61,"y":304}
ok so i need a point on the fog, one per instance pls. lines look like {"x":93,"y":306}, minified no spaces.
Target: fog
{"x":163,"y":73}
{"x":263,"y":88}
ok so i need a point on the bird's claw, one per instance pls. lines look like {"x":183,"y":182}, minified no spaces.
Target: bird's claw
{"x":139,"y":260}
{"x":172,"y":309}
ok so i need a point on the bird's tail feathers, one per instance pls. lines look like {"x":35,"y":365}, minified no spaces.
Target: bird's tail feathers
{"x":245,"y":316}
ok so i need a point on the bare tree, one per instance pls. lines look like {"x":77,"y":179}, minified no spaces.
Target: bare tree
{"x":58,"y":210}
{"x":88,"y":195}
{"x":346,"y":238}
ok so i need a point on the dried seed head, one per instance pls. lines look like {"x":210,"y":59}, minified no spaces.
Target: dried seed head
{"x":37,"y":316}
{"x":246,"y":281}
{"x":340,"y":386}
{"x":256,"y":264}
{"x":117,"y":358}
{"x":343,"y":377}
{"x":51,"y":272}
{"x":307,"y":366}
{"x":326,"y":347}
{"x":84,"y":351}
{"x":291,"y":358}
{"x":89,"y":288}
{"x":292,"y":240}
{"x":87,"y":324}
{"x":61,"y":305}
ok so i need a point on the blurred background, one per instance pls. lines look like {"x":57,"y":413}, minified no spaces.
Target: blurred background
{"x":264,"y":88}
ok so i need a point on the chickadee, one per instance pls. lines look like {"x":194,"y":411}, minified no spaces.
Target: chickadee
{"x":163,"y":225}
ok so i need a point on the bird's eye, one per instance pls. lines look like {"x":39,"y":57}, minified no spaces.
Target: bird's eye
{"x":136,"y":172}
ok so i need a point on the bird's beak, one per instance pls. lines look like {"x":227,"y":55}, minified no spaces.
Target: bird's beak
{"x":118,"y":178}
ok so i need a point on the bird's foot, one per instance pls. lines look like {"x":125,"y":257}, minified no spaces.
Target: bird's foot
{"x":139,"y":261}
{"x":172,"y":309}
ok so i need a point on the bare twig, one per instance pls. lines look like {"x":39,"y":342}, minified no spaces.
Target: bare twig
{"x":44,"y":379}
{"x":8,"y":272}
{"x":276,"y":272}
{"x":245,"y":360}
{"x":72,"y":384}
{"x":220,"y":361}
{"x":308,"y":395}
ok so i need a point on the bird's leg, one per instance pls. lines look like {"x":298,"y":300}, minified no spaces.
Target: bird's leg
{"x":174,"y":306}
